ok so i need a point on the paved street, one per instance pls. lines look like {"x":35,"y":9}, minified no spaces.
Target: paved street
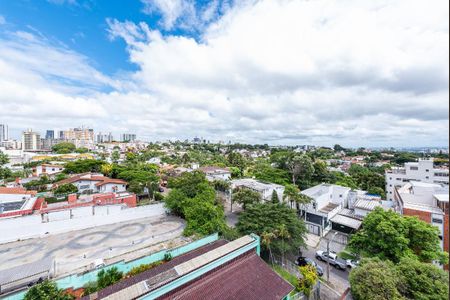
{"x":338,"y":278}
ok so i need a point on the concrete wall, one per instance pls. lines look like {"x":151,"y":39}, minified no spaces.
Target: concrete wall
{"x":32,"y":226}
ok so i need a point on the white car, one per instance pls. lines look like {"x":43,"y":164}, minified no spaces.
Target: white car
{"x":352,"y":263}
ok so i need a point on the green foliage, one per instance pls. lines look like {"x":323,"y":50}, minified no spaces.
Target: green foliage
{"x":403,"y":157}
{"x":422,"y":280}
{"x":63,"y":148}
{"x":301,"y":168}
{"x":82,"y":150}
{"x":286,"y":276}
{"x":67,"y":188}
{"x":47,"y":290}
{"x":236,"y":159}
{"x":167,"y":256}
{"x":83,"y":166}
{"x":115,"y":155}
{"x":388,"y":235}
{"x":38,"y":185}
{"x":194,"y":199}
{"x":274,"y":197}
{"x":268,"y":218}
{"x":308,"y":279}
{"x":376,"y":280}
{"x":59,"y":177}
{"x":109,"y":277}
{"x":367,"y":179}
{"x":410,"y":279}
{"x":245,"y":197}
{"x":4,"y":159}
{"x":142,"y":268}
{"x":90,"y":287}
{"x":203,"y":218}
{"x":221,"y":185}
{"x":265,"y":172}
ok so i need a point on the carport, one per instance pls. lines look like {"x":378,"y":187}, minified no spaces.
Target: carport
{"x":345,"y":224}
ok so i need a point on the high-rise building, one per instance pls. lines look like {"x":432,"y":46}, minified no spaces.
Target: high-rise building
{"x":61,"y":135}
{"x":31,"y":140}
{"x":50,"y":135}
{"x":4,"y":132}
{"x":80,"y":137}
{"x":128,"y":137}
{"x":104,"y":138}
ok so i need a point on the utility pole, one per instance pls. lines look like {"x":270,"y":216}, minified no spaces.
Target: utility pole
{"x":328,"y":254}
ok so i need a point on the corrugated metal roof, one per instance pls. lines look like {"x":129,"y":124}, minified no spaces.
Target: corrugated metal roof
{"x":346,"y":221}
{"x":367,"y":204}
{"x":25,"y":270}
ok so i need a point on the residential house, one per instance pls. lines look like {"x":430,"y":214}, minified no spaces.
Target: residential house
{"x":264,"y":189}
{"x":89,"y":183}
{"x":47,"y":169}
{"x":216,"y":173}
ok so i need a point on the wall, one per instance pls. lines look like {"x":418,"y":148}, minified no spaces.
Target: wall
{"x":423,"y":215}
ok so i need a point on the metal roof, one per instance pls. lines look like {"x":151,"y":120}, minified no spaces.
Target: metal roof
{"x":346,"y":221}
{"x":367,"y":204}
{"x":25,"y":270}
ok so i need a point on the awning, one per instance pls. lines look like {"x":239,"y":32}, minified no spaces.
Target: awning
{"x":346,"y":221}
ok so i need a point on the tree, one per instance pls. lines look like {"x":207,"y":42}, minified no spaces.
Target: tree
{"x":109,"y":277}
{"x":376,"y":280}
{"x":268,"y":217}
{"x":221,"y":185}
{"x":107,"y":169}
{"x":203,"y":218}
{"x":321,"y":173}
{"x":265,"y":172}
{"x":115,"y":155}
{"x":266,"y":241}
{"x":308,"y":279}
{"x":300,"y":167}
{"x":176,"y":201}
{"x":388,"y":235}
{"x":274,"y":197}
{"x":4,"y":172}
{"x":338,"y":148}
{"x":283,"y":234}
{"x":47,"y":290}
{"x":66,"y":188}
{"x":64,"y":148}
{"x":292,"y":194}
{"x":83,"y":166}
{"x":237,"y":160}
{"x":245,"y":197}
{"x":422,"y":280}
{"x":82,"y":150}
{"x":4,"y":159}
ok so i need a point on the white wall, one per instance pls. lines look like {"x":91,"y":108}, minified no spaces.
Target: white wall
{"x":27,"y":227}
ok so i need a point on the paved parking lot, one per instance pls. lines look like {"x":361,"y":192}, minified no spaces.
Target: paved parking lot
{"x":76,"y":249}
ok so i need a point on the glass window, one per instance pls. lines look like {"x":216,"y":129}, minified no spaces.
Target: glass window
{"x":439,"y":221}
{"x":414,"y":168}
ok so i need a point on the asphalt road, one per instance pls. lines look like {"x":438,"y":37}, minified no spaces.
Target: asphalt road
{"x":338,"y":278}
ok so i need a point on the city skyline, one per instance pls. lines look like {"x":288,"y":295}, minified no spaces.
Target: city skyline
{"x":275,"y":72}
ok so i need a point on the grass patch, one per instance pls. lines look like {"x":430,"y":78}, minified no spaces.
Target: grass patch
{"x":346,"y":255}
{"x":292,"y":279}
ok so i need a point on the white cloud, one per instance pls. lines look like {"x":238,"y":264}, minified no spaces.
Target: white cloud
{"x":172,"y":11}
{"x":2,"y":20}
{"x":349,"y":72}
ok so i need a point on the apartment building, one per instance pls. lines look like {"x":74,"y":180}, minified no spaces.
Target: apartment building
{"x":31,"y":141}
{"x":429,"y":202}
{"x":4,"y":132}
{"x":128,"y":137}
{"x":80,"y":137}
{"x":423,"y":171}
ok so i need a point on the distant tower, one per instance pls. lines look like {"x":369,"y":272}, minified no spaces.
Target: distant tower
{"x":4,"y":132}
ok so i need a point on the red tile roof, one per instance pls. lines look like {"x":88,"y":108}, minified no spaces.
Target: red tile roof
{"x":246,"y":277}
{"x":90,"y":177}
{"x":16,"y":190}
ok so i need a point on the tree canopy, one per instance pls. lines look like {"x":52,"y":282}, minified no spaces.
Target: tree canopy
{"x":268,"y":218}
{"x":388,"y":235}
{"x":64,"y":148}
{"x":409,"y":279}
{"x":245,"y":196}
{"x":47,"y":290}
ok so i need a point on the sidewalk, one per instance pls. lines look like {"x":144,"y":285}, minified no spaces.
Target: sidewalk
{"x":312,"y":240}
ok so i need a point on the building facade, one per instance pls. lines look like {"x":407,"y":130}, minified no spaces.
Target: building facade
{"x":31,"y":141}
{"x":128,"y":137}
{"x":423,"y":171}
{"x":80,"y":137}
{"x":4,"y":132}
{"x":429,"y":202}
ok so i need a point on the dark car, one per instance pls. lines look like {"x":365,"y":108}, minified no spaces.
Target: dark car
{"x":303,"y":261}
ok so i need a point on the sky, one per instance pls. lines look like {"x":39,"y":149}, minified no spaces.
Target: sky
{"x":291,"y":72}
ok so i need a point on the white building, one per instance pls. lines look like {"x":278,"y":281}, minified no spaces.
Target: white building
{"x":80,"y":137}
{"x":264,"y":189}
{"x":31,"y":140}
{"x":429,"y":202}
{"x":15,"y":199}
{"x":423,"y":171}
{"x":47,"y":169}
{"x":94,"y":183}
{"x":4,"y":132}
{"x":216,"y":173}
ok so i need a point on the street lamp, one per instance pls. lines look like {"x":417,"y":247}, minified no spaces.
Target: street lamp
{"x":328,"y":254}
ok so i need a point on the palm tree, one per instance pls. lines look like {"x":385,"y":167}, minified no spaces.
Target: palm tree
{"x":266,"y":240}
{"x":291,"y":194}
{"x":283,"y":233}
{"x":302,"y":201}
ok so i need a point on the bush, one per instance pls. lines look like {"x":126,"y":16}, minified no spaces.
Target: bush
{"x":142,"y":268}
{"x":109,"y":277}
{"x":167,"y":256}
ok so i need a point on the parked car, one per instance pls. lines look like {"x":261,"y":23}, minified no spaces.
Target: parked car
{"x":332,"y":258}
{"x":303,"y":261}
{"x":352,"y":263}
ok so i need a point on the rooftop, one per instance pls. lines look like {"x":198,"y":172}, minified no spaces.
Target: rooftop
{"x":255,"y":184}
{"x":367,"y":204}
{"x":346,"y":221}
{"x":17,"y":191}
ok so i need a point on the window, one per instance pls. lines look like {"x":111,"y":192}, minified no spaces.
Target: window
{"x":439,"y":221}
{"x":390,"y":185}
{"x":414,"y":168}
{"x":427,"y":170}
{"x":390,"y":178}
{"x":340,"y":196}
{"x":427,"y":177}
